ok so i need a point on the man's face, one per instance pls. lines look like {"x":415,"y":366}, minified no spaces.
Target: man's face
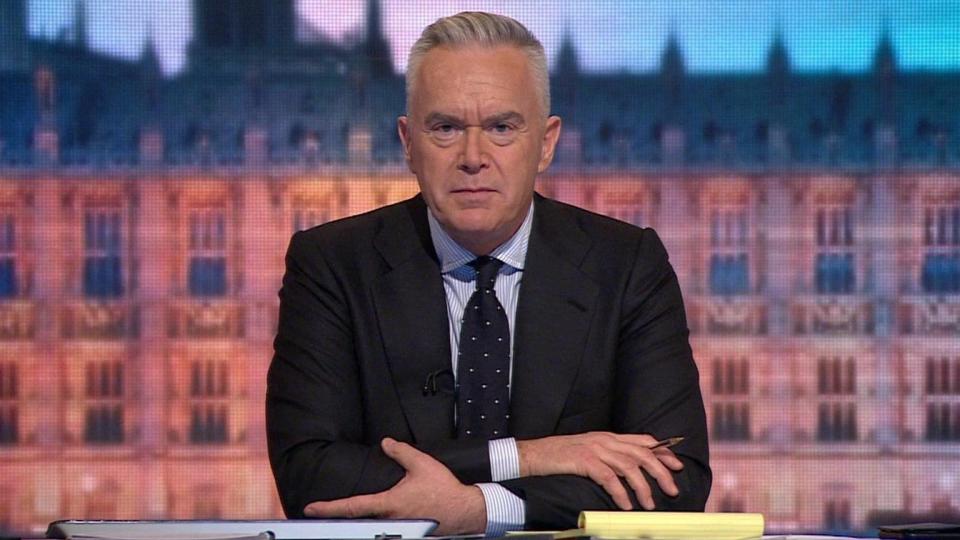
{"x":476,"y":138}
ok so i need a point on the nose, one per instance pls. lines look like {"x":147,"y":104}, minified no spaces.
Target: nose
{"x":473,"y":156}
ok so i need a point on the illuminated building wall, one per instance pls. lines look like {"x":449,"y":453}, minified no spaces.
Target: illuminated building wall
{"x":142,"y":235}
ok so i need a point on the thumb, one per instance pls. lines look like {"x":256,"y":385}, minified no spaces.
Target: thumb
{"x":407,"y":456}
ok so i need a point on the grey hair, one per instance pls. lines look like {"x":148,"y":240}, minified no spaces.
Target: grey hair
{"x":487,"y":30}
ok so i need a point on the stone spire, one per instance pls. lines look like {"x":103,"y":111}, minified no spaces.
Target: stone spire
{"x":778,"y":71}
{"x":568,"y":61}
{"x":375,"y":49}
{"x":672,"y":73}
{"x":566,"y":75}
{"x":778,"y":85}
{"x":80,"y":28}
{"x":885,"y":74}
{"x":151,"y":75}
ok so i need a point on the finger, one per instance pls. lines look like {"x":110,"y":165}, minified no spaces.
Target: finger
{"x":606,"y":478}
{"x":661,"y":474}
{"x":350,"y":507}
{"x":669,"y":459}
{"x":625,"y":466}
{"x":638,"y":482}
{"x":407,"y":456}
{"x":643,"y":455}
{"x":637,"y":439}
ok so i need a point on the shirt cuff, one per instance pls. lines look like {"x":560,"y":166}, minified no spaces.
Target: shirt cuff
{"x":504,"y":459}
{"x":505,"y":511}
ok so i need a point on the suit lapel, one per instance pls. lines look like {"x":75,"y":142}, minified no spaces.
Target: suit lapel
{"x":553,"y":318}
{"x":411,"y":310}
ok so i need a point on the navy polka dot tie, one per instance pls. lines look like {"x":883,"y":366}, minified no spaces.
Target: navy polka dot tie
{"x":483,"y":365}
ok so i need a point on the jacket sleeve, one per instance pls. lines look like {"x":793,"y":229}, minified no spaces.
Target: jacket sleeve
{"x":314,"y":405}
{"x":657,"y":392}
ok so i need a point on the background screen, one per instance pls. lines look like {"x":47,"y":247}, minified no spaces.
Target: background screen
{"x":799,"y":158}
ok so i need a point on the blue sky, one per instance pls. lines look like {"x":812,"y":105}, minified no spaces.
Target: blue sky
{"x":716,"y":35}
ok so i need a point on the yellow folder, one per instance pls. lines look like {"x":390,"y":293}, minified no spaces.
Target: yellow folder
{"x":668,"y":525}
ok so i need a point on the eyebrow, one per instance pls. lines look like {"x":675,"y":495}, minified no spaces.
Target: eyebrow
{"x":435,"y":117}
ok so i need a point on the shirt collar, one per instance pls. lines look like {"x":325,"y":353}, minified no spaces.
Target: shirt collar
{"x":452,"y":255}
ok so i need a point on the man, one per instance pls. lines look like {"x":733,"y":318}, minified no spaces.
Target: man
{"x":527,"y":353}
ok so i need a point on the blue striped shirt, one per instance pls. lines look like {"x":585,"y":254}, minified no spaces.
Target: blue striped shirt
{"x":505,"y":511}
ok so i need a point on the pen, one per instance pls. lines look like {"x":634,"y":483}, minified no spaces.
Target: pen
{"x":666,"y":443}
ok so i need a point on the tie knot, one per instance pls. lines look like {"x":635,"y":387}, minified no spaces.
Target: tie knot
{"x":487,"y":268}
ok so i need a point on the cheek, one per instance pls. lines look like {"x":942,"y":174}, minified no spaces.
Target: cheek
{"x":432,"y":175}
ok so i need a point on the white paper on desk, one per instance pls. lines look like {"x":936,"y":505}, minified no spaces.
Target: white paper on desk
{"x":301,"y":529}
{"x":261,"y":536}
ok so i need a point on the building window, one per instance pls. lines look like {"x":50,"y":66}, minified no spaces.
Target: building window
{"x":836,"y":515}
{"x":305,"y":218}
{"x":942,"y":376}
{"x":943,"y":422}
{"x":940,"y":273}
{"x":8,"y":260}
{"x":209,"y":392}
{"x":941,"y":389}
{"x":836,"y":386}
{"x":104,"y":391}
{"x":834,"y":268}
{"x":102,"y":266}
{"x":837,"y":422}
{"x":731,"y":421}
{"x":729,"y":274}
{"x":835,"y":273}
{"x":731,"y":377}
{"x":836,"y":376}
{"x":731,"y":408}
{"x":208,"y":253}
{"x":941,"y":226}
{"x":9,"y":412}
{"x":729,"y":268}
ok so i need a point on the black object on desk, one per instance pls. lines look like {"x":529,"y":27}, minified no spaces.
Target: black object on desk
{"x":921,"y":531}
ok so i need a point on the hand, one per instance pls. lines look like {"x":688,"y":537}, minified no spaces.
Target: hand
{"x":429,"y":490}
{"x":604,"y":457}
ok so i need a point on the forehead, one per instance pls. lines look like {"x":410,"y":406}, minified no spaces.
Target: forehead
{"x":474,"y":76}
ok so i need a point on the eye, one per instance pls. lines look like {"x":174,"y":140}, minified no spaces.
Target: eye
{"x":444,"y":132}
{"x":502,"y":133}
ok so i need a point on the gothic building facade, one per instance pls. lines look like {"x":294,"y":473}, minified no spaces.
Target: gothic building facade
{"x":813,"y":220}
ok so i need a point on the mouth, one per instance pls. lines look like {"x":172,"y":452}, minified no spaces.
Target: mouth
{"x":474,"y":190}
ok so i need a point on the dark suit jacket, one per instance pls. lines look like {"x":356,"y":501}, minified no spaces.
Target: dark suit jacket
{"x":600,"y":344}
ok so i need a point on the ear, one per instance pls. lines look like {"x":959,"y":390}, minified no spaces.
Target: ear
{"x":403,"y":129}
{"x":549,"y":144}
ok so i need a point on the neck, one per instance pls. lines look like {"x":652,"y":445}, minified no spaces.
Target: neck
{"x":483,"y":245}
